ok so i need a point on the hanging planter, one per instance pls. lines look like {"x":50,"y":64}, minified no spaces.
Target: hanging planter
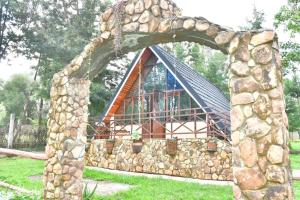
{"x":172,"y":146}
{"x":110,"y":145}
{"x":212,"y":145}
{"x":137,"y":143}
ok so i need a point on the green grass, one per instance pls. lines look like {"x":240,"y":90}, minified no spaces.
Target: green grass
{"x":295,"y":161}
{"x":295,"y":145}
{"x":17,"y":170}
{"x":147,"y":189}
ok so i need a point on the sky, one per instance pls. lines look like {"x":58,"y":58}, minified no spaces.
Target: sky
{"x":229,"y":13}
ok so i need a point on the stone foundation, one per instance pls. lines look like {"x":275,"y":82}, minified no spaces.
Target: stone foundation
{"x":191,"y":160}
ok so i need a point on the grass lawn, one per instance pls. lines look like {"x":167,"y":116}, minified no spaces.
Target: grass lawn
{"x":16,"y":171}
{"x":295,"y":161}
{"x":295,"y":145}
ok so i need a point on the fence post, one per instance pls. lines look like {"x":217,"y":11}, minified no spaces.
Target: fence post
{"x":10,"y":137}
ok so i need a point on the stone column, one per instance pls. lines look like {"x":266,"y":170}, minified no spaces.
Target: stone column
{"x":65,"y":149}
{"x":261,"y":165}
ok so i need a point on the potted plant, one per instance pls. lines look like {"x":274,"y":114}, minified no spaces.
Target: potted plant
{"x":172,"y":146}
{"x":137,"y":143}
{"x":110,"y":145}
{"x":212,"y":144}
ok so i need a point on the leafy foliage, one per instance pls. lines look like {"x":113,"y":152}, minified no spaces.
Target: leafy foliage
{"x":209,"y":63}
{"x":15,"y":94}
{"x":288,"y":18}
{"x":292,"y":98}
{"x":256,"y":20}
{"x":15,"y":17}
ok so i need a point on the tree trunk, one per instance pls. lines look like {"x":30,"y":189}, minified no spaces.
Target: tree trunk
{"x":23,"y":154}
{"x":10,"y":137}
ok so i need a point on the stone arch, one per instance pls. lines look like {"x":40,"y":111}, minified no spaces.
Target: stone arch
{"x":259,"y":122}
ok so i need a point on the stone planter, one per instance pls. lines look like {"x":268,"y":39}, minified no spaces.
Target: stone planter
{"x":110,"y":146}
{"x":137,"y":146}
{"x":211,"y":146}
{"x":171,"y":146}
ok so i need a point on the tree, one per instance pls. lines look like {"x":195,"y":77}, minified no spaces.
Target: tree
{"x":256,"y":20}
{"x":15,"y":18}
{"x":15,"y":95}
{"x":292,"y":99}
{"x":288,"y":18}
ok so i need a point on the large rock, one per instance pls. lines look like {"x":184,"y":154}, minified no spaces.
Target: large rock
{"x":275,"y":154}
{"x":256,"y":128}
{"x":189,"y":24}
{"x":263,"y":37}
{"x":164,"y":26}
{"x":212,"y":30}
{"x":202,"y":25}
{"x":131,"y":27}
{"x":242,"y":98}
{"x":278,"y":106}
{"x":145,"y":17}
{"x":129,"y":9}
{"x":148,"y":4}
{"x":269,"y":77}
{"x":153,"y":24}
{"x":164,"y":4}
{"x":247,"y":84}
{"x":242,"y":52}
{"x":275,"y":173}
{"x":250,"y":178}
{"x":107,"y":14}
{"x":224,"y":37}
{"x":155,"y":10}
{"x":276,"y":192}
{"x":240,"y":68}
{"x":255,"y":194}
{"x":139,"y":7}
{"x":262,"y":54}
{"x":237,"y":118}
{"x":262,"y":107}
{"x":234,"y":44}
{"x":248,"y":152}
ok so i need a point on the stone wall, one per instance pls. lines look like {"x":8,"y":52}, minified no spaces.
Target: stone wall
{"x":259,"y":123}
{"x":192,"y":158}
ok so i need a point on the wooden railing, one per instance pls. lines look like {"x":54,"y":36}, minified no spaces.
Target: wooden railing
{"x":184,"y":123}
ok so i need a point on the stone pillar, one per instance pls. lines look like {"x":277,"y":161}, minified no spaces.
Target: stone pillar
{"x":68,"y":116}
{"x":261,"y":166}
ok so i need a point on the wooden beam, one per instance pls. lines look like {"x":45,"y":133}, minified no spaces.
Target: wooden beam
{"x":23,"y":154}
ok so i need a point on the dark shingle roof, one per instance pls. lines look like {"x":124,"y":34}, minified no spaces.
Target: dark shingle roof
{"x":207,"y":94}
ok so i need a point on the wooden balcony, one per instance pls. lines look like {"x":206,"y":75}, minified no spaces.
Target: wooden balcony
{"x":186,"y":123}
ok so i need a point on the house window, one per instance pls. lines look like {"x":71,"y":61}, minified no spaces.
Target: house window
{"x":155,"y":79}
{"x":172,"y":83}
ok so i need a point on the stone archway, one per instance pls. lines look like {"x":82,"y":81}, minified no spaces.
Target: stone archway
{"x":259,"y":122}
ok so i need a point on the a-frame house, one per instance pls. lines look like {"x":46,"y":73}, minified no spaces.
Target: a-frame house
{"x":161,"y":97}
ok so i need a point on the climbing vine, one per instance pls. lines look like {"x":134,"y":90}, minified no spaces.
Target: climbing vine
{"x":118,"y":10}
